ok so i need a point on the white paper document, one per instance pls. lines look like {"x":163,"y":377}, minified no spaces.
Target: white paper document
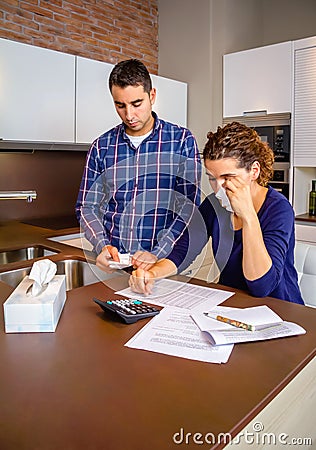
{"x":258,"y":317}
{"x":173,"y":332}
{"x":262,"y":317}
{"x":181,"y":295}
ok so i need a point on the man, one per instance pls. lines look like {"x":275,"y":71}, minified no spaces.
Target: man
{"x":141,"y":179}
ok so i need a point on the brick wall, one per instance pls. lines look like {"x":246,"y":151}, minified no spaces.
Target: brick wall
{"x":105,"y":30}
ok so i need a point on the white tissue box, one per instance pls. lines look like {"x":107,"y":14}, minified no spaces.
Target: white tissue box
{"x":25,"y":313}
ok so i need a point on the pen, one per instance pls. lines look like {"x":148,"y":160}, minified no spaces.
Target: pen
{"x":233,"y":322}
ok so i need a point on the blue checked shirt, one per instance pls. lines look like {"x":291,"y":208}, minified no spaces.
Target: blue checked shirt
{"x":139,"y":199}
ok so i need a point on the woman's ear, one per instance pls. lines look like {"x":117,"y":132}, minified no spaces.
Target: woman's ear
{"x":255,"y":171}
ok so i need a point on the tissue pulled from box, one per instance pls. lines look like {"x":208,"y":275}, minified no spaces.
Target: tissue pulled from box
{"x":223,"y":199}
{"x":42,"y":273}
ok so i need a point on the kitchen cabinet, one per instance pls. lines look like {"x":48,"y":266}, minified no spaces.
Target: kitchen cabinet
{"x":95,"y":111}
{"x":302,"y":182}
{"x":304,"y":131}
{"x":259,"y":79}
{"x":305,"y":225}
{"x":52,"y":97}
{"x":171,"y":100}
{"x":305,"y":232}
{"x":37,"y":94}
{"x":304,"y":114}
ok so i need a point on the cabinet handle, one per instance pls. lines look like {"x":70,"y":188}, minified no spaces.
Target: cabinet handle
{"x":255,"y":113}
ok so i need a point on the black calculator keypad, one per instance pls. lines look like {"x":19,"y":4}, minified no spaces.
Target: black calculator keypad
{"x":129,"y":309}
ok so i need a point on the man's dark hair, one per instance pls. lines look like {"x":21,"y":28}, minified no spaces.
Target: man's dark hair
{"x":131,"y":72}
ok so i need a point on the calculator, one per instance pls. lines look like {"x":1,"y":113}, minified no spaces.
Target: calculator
{"x":130,"y":310}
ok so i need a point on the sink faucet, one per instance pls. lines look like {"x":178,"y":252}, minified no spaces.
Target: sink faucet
{"x":18,"y":195}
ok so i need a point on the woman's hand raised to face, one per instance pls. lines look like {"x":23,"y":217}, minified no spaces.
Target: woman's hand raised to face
{"x":239,"y":194}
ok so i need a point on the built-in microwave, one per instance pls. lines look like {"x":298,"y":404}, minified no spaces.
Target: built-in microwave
{"x":278,"y":138}
{"x":274,"y":129}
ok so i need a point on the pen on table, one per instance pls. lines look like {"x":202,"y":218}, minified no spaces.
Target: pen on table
{"x":233,"y":322}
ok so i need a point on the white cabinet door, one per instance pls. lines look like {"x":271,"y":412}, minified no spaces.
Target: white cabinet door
{"x":171,"y":100}
{"x":95,"y":111}
{"x":305,"y":232}
{"x":49,"y":96}
{"x":37,"y":93}
{"x":258,"y":79}
{"x":304,"y":117}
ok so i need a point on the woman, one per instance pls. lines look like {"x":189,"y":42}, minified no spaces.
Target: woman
{"x":251,"y":224}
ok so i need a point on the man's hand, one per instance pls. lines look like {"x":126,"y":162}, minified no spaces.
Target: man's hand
{"x":108,"y":254}
{"x":143,"y":260}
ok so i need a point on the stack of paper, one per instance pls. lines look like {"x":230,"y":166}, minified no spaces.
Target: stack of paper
{"x":190,"y":325}
{"x":266,"y":324}
{"x":173,"y":332}
{"x":181,"y":295}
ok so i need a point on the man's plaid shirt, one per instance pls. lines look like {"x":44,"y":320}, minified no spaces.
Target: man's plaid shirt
{"x":139,"y":199}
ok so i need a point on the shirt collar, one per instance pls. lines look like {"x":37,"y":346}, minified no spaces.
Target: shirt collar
{"x":155,"y":127}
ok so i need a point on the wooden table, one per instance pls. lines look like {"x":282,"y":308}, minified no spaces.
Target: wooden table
{"x":80,"y":388}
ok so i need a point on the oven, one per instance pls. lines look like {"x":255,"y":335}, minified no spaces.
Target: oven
{"x":274,"y":129}
{"x":280,"y":180}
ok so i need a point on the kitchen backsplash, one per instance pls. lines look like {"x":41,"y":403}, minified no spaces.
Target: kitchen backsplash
{"x":55,"y":176}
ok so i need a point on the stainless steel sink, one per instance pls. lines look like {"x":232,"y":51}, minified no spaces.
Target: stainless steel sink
{"x":24,"y":254}
{"x":75,"y":240}
{"x":78,"y":273}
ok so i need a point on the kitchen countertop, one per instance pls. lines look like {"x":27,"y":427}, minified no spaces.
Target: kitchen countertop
{"x":54,"y":223}
{"x":305,"y":218}
{"x":15,"y":235}
{"x":81,"y":388}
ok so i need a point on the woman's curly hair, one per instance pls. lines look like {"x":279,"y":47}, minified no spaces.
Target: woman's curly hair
{"x":238,"y":141}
